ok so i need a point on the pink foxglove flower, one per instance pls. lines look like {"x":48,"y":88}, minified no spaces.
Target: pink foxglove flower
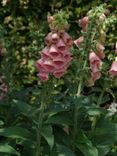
{"x":78,"y":41}
{"x":39,"y":65}
{"x":58,"y":62}
{"x":55,"y":57}
{"x":53,"y":52}
{"x":48,"y":39}
{"x":94,"y":59}
{"x":96,"y":75}
{"x":95,"y":64}
{"x":100,"y":50}
{"x":113,"y":69}
{"x":55,"y":38}
{"x":49,"y":65}
{"x":61,"y":45}
{"x":66,"y":38}
{"x":59,"y":73}
{"x":45,"y":54}
{"x":84,"y":22}
{"x":43,"y":76}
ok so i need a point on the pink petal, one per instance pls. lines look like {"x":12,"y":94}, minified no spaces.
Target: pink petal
{"x":39,"y":65}
{"x":48,"y":39}
{"x":61,"y":46}
{"x":58,"y":62}
{"x":113,"y":70}
{"x":69,"y":44}
{"x":94,"y":59}
{"x":94,"y":68}
{"x":58,"y":74}
{"x":49,"y":66}
{"x":96,"y":75}
{"x":45,"y":53}
{"x":55,"y":38}
{"x":83,"y":22}
{"x":66,"y":38}
{"x":79,"y":41}
{"x":53,"y":52}
{"x":43,"y":76}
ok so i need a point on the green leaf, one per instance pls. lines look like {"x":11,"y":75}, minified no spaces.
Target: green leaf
{"x":103,"y":149}
{"x":64,"y":150}
{"x":47,"y":133}
{"x":86,"y":146}
{"x":15,"y":132}
{"x":5,"y":148}
{"x":25,"y":108}
{"x":60,"y":118}
{"x":105,"y":132}
{"x":95,"y":111}
{"x":61,"y":136}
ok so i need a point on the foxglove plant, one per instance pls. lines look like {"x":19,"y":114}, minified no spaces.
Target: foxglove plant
{"x":91,"y":52}
{"x":56,"y":56}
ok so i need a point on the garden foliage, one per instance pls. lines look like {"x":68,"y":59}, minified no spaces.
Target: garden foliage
{"x":58,"y":89}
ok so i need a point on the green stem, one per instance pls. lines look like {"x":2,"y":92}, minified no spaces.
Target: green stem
{"x":39,"y":126}
{"x":76,"y":112}
{"x":87,"y":45}
{"x":100,"y":97}
{"x":76,"y":107}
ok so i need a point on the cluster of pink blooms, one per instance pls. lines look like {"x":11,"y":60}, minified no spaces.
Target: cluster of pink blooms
{"x":95,"y":58}
{"x":56,"y":56}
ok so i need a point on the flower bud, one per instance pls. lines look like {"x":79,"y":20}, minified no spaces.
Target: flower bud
{"x":102,"y":18}
{"x":43,"y":76}
{"x":113,"y":69}
{"x":94,"y":59}
{"x":78,"y":41}
{"x":55,"y":38}
{"x":53,"y":52}
{"x":50,"y":19}
{"x":84,"y":22}
{"x":99,"y":47}
{"x":96,"y":75}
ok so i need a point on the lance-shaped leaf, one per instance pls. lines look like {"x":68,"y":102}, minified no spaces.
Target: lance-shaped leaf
{"x":5,"y":148}
{"x":47,"y":133}
{"x":15,"y":132}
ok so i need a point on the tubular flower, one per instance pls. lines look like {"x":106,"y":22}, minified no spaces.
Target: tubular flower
{"x":113,"y":69}
{"x":78,"y":41}
{"x":100,"y":50}
{"x":95,"y":64}
{"x":94,"y":59}
{"x":84,"y":22}
{"x":55,"y":57}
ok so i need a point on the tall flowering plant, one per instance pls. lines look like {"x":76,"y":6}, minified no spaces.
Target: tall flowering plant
{"x":67,"y":113}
